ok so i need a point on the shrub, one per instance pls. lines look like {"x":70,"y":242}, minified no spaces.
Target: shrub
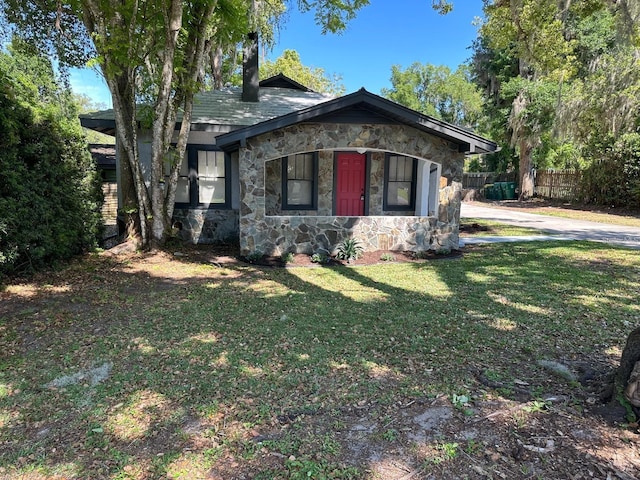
{"x":613,"y":178}
{"x":349,"y":250}
{"x":320,"y":258}
{"x":50,"y":193}
{"x":287,"y":257}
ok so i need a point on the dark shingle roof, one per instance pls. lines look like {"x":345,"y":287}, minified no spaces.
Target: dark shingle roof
{"x":363,"y":105}
{"x":225,"y":107}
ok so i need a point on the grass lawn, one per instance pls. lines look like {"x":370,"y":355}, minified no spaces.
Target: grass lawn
{"x":480,"y":227}
{"x":155,"y":366}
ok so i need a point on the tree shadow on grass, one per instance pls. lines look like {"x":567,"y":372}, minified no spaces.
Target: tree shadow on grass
{"x":231,"y":371}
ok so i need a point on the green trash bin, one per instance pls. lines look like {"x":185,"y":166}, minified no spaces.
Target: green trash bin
{"x":509,"y":190}
{"x":489,"y":191}
{"x":498,"y":193}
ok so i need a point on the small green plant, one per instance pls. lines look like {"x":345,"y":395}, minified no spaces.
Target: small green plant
{"x":449,"y":450}
{"x":287,"y":257}
{"x":461,"y":402}
{"x":349,"y":250}
{"x":421,"y":254}
{"x":388,"y":257}
{"x":443,"y":251}
{"x":390,"y":434}
{"x":320,"y":258}
{"x":254,"y":256}
{"x":536,"y":406}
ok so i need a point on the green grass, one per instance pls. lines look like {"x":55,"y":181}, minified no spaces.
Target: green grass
{"x":205,"y":360}
{"x":493,"y":228}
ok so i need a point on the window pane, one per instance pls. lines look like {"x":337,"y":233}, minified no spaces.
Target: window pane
{"x":212,"y":190}
{"x":393,"y":167}
{"x":184,"y":167}
{"x":307,"y":172}
{"x":399,"y":193}
{"x":182,"y":190}
{"x":300,"y":167}
{"x":210,"y":164}
{"x":299,"y":192}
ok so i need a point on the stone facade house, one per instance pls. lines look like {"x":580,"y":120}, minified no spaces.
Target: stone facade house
{"x":279,"y":168}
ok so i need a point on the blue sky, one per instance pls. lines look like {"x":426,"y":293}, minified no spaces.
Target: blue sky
{"x":385,"y":33}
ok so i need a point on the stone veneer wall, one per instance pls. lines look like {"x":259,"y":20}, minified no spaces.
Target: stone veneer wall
{"x":207,"y":226}
{"x":273,"y":187}
{"x":322,"y":234}
{"x":294,"y":233}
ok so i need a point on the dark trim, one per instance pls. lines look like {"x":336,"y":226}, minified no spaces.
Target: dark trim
{"x":314,"y":184}
{"x":466,"y":140}
{"x":282,"y":81}
{"x":193,"y":176}
{"x":412,"y":203}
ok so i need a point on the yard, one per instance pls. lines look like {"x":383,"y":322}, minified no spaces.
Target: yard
{"x":487,"y":365}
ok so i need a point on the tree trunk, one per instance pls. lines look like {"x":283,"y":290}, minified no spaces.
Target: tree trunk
{"x":526,"y":171}
{"x":630,"y":356}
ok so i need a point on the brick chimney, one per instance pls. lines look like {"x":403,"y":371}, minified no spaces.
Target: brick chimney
{"x":250,"y":79}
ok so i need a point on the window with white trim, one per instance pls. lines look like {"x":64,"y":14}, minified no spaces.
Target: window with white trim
{"x":400,"y":183}
{"x":203,"y":179}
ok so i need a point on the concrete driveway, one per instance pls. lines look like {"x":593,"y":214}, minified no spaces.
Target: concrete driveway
{"x":551,"y":228}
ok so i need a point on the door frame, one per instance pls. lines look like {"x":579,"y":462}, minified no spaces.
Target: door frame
{"x":367,"y":179}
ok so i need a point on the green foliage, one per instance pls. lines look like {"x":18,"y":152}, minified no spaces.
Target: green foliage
{"x":564,"y":156}
{"x":613,"y":178}
{"x":320,"y":258}
{"x":388,"y":257}
{"x":332,"y":15}
{"x":287,"y":257}
{"x":49,"y":190}
{"x":289,"y":64}
{"x":438,"y":92}
{"x":255,"y":256}
{"x":349,"y":250}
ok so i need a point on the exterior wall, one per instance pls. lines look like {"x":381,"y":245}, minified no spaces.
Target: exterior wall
{"x":268,"y":234}
{"x":322,"y":234}
{"x":206,"y":226}
{"x":273,"y":187}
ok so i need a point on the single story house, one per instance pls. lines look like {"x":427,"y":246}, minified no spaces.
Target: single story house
{"x":280,"y":168}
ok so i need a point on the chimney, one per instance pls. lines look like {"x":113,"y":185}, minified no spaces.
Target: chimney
{"x":250,"y":79}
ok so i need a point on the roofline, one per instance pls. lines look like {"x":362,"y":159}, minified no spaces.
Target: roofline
{"x":468,"y":141}
{"x":283,"y":77}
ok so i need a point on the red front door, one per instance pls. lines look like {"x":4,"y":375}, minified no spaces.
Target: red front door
{"x":350,"y":184}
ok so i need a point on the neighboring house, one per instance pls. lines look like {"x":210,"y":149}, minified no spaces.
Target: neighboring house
{"x":105,"y":158}
{"x":280,"y":168}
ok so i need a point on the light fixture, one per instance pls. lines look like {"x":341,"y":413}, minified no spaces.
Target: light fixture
{"x":361,"y":150}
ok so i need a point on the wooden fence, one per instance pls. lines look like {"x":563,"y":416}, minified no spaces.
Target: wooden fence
{"x":556,"y":184}
{"x":477,"y":180}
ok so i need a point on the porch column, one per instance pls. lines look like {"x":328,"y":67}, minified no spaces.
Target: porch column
{"x":423,"y":185}
{"x":434,"y":186}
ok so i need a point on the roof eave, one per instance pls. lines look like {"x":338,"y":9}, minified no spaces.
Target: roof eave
{"x":468,"y":142}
